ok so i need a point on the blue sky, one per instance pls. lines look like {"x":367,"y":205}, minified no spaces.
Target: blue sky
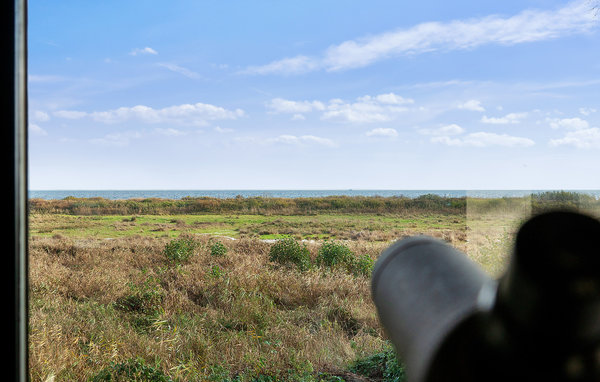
{"x":314,"y":94}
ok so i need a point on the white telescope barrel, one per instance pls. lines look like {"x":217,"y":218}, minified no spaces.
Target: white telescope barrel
{"x":423,"y":289}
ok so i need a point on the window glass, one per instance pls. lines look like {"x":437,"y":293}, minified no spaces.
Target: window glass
{"x":211,"y":181}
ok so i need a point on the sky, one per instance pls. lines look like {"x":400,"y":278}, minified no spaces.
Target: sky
{"x":327,"y":94}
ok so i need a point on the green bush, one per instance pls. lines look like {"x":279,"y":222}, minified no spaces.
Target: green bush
{"x":180,"y":250}
{"x":218,"y":249}
{"x":338,"y":255}
{"x":216,"y":271}
{"x":382,"y":366}
{"x":362,"y":266}
{"x":131,"y":370}
{"x":332,"y":255}
{"x":288,"y":251}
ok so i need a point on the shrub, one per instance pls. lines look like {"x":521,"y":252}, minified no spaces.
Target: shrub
{"x":362,"y":266}
{"x":180,"y":250}
{"x":215,"y":271}
{"x":381,"y":366}
{"x":338,"y":255}
{"x":288,"y":251}
{"x":218,"y":249}
{"x":131,"y":370}
{"x":333,"y":255}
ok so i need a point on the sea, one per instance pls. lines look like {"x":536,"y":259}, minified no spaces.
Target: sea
{"x":225,"y":194}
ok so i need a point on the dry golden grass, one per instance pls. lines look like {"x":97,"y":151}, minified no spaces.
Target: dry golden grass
{"x":237,"y":311}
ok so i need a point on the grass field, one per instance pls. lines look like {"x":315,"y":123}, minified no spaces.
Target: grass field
{"x":349,"y":227}
{"x":110,"y":301}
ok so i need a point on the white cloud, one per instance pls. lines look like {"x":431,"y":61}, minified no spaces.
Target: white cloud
{"x":388,"y":98}
{"x":143,"y":51}
{"x":69,"y":114}
{"x":318,"y":140}
{"x":366,"y":109}
{"x":510,"y":118}
{"x":568,"y":123}
{"x":198,"y":114}
{"x":117,"y":139}
{"x":472,"y":105}
{"x":484,"y":139}
{"x":304,"y":139}
{"x":286,"y":66}
{"x":526,"y":26}
{"x":382,"y":132}
{"x":179,"y":69}
{"x":37,"y":130}
{"x":288,"y":139}
{"x":452,"y":129}
{"x":222,"y":130}
{"x":587,"y":110}
{"x":582,"y":139}
{"x":169,"y":132}
{"x":357,"y":112}
{"x":298,"y":117}
{"x":38,"y":116}
{"x":280,"y":105}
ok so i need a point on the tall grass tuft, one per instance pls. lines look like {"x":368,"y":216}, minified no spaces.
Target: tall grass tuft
{"x":335,"y":255}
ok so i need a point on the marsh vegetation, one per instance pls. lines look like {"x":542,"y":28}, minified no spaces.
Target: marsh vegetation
{"x":233,"y":295}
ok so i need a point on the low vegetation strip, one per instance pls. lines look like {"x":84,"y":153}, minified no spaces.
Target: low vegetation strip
{"x":255,"y":205}
{"x":425,"y":204}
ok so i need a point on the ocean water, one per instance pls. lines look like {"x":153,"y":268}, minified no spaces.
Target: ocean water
{"x":223,"y":194}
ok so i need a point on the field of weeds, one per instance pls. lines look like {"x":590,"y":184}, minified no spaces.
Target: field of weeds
{"x":103,"y":292}
{"x":96,"y":302}
{"x":194,"y":297}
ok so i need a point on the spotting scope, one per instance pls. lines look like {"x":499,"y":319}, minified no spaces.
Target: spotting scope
{"x":540,"y":321}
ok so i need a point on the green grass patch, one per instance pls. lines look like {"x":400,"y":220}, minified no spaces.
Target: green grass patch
{"x":131,"y":370}
{"x":347,"y":227}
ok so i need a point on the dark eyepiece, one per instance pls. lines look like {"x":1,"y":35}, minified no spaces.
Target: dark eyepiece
{"x":450,"y":322}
